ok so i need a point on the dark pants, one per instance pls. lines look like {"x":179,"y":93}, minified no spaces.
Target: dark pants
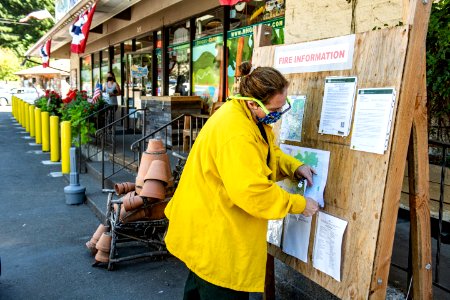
{"x":199,"y":289}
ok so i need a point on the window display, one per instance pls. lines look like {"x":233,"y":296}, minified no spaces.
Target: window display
{"x":86,"y":74}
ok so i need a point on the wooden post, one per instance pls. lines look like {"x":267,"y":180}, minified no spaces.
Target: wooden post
{"x":411,"y":87}
{"x":269,"y":288}
{"x":418,"y":172}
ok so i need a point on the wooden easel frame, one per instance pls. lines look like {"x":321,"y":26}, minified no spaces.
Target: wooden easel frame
{"x":410,"y":138}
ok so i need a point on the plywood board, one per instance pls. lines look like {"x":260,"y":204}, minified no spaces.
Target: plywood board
{"x":356,"y":180}
{"x":318,"y":19}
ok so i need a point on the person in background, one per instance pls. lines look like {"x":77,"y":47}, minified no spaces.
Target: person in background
{"x":179,"y":87}
{"x":111,"y":88}
{"x":227,"y":192}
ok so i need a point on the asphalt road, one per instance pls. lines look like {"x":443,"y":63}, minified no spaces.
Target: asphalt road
{"x":42,"y":240}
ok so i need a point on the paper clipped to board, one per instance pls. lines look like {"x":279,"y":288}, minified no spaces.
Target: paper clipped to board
{"x":337,"y":105}
{"x":327,"y":249}
{"x":292,"y":121}
{"x":373,"y":120}
{"x":297,"y":229}
{"x":315,"y":158}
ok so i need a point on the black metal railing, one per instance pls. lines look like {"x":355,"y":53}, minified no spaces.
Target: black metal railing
{"x":100,"y":117}
{"x":437,"y":280}
{"x":439,"y":156}
{"x":178,"y":135}
{"x":111,"y":138}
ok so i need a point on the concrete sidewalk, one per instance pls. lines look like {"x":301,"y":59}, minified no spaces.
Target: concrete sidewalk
{"x":42,"y":240}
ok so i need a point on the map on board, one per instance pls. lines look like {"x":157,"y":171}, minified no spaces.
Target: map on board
{"x":317,"y":159}
{"x":291,"y":125}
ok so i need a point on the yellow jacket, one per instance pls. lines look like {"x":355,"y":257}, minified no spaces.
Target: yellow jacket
{"x":218,"y":215}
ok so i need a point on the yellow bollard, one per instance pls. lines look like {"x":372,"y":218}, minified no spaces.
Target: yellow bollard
{"x":38,"y":125}
{"x":45,"y":123}
{"x":13,"y":106}
{"x":54,"y":139}
{"x":32,"y":121}
{"x":20,"y":112}
{"x":66,"y":142}
{"x":23,"y":113}
{"x":27,"y":117}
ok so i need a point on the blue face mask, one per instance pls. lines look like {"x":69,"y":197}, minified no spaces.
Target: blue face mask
{"x":270,"y":117}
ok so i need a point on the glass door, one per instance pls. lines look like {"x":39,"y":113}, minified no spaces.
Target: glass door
{"x":139,"y":78}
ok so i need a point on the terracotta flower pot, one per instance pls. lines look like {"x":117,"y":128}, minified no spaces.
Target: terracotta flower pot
{"x":155,"y":145}
{"x":158,"y":170}
{"x":146,"y":160}
{"x":95,"y":237}
{"x":156,"y":211}
{"x":153,"y":189}
{"x":104,"y":243}
{"x":134,"y":215}
{"x":139,"y":184}
{"x":124,"y":187}
{"x":102,"y":256}
{"x":133,"y":202}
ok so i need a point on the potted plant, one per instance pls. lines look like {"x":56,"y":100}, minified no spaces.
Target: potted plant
{"x":51,"y":102}
{"x":76,"y":108}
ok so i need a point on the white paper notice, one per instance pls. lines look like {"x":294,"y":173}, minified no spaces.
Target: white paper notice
{"x":319,"y":160}
{"x":274,"y":231}
{"x":297,"y":229}
{"x":337,"y":106}
{"x":291,"y":125}
{"x":373,"y":119}
{"x":328,"y":244}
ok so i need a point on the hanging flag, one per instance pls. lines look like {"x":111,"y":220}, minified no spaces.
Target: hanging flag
{"x":80,"y":30}
{"x":45,"y":53}
{"x":39,"y":15}
{"x":97,"y":93}
{"x":231,"y":2}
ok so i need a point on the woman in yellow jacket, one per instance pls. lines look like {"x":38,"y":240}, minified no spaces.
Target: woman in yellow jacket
{"x":227,"y":192}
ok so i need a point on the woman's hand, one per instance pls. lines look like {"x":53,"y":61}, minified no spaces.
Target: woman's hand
{"x":306,"y":172}
{"x":311,"y":207}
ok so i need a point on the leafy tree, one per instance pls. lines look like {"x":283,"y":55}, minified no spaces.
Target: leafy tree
{"x":18,"y":37}
{"x":438,"y":71}
{"x":9,"y":64}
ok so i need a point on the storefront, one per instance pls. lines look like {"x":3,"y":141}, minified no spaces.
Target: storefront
{"x":173,"y":47}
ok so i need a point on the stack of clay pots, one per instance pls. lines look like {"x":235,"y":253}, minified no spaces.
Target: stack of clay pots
{"x":143,"y":200}
{"x":148,"y":200}
{"x":91,"y":244}
{"x":103,"y":246}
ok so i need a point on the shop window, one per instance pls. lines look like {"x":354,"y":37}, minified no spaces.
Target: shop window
{"x":252,"y":12}
{"x":116,"y":64}
{"x":158,"y":53}
{"x":209,"y":24}
{"x":105,"y":65}
{"x":96,"y":69}
{"x":240,"y":39}
{"x":207,"y":57}
{"x":179,"y":54}
{"x":86,"y":74}
{"x":144,"y":44}
{"x":207,"y":68}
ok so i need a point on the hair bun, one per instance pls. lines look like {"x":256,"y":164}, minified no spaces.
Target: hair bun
{"x":245,"y":68}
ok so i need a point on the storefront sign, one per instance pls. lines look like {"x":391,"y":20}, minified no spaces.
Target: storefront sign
{"x":248,"y":30}
{"x":138,"y":72}
{"x":325,"y":55}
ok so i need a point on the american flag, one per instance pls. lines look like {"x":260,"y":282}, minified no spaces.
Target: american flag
{"x":80,"y":30}
{"x":97,"y":93}
{"x":45,"y":53}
